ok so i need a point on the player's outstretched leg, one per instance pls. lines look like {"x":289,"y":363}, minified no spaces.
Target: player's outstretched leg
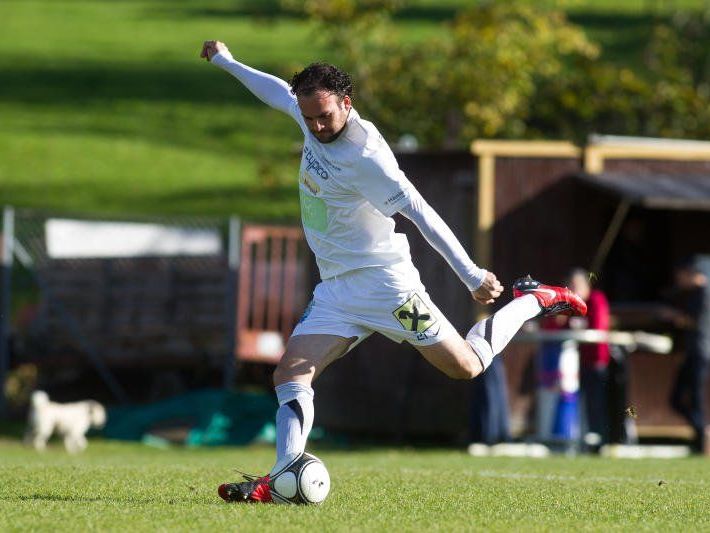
{"x":531,"y":298}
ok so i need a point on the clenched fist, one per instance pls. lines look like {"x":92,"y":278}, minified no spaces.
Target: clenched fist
{"x":489,"y":290}
{"x":210,"y":48}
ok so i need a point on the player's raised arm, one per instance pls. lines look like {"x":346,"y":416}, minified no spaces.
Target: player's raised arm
{"x":271,"y":90}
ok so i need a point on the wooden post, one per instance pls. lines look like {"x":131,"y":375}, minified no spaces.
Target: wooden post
{"x":486,"y":210}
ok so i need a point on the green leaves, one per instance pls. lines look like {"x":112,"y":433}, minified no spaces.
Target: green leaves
{"x":474,"y":79}
{"x":515,"y":70}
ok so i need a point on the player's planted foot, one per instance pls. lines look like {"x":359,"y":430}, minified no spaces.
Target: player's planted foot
{"x":552,"y":300}
{"x":254,"y":489}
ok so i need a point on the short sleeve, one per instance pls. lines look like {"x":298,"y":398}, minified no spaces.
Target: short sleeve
{"x":381,"y":182}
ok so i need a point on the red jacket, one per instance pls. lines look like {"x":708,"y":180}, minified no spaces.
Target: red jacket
{"x":596,"y":355}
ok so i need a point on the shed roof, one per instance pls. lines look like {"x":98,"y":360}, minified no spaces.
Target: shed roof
{"x":656,"y":191}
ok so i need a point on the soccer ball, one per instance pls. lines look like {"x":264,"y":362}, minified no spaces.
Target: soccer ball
{"x":303,"y":480}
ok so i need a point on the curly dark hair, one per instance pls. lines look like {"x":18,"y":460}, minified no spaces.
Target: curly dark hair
{"x":321,"y":77}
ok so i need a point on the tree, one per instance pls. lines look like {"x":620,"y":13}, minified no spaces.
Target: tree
{"x":668,"y":98}
{"x":514,"y":70}
{"x":477,"y":77}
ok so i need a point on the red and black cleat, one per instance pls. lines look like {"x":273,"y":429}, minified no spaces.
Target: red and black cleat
{"x":553,"y":300}
{"x":254,"y":489}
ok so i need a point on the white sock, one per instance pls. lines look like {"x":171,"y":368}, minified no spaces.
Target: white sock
{"x":488,"y":337}
{"x":294,"y":420}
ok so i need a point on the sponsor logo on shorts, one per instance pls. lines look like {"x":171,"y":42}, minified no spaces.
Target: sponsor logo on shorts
{"x":414,"y":315}
{"x":431,"y":332}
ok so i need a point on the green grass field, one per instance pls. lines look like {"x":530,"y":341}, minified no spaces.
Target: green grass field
{"x":130,"y":487}
{"x":106,"y":108}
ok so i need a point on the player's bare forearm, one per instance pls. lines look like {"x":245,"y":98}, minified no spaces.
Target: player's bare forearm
{"x":489,"y":290}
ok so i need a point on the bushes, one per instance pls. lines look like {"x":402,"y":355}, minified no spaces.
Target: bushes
{"x":512,"y":69}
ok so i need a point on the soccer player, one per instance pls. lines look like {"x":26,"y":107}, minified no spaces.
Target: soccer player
{"x":350,"y":186}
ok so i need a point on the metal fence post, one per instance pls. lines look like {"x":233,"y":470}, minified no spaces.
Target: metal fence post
{"x":5,"y":297}
{"x":233,"y":260}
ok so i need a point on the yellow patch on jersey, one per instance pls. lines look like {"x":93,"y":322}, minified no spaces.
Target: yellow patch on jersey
{"x":309,"y":183}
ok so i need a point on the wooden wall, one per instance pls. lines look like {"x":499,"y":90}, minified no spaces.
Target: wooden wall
{"x":142,"y":312}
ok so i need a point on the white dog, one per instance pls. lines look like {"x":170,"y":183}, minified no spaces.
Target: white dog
{"x":70,"y":420}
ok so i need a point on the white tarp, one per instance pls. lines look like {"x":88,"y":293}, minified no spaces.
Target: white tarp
{"x":72,"y":239}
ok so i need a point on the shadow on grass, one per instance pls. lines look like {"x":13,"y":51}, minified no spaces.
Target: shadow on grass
{"x":55,"y":498}
{"x":272,"y":9}
{"x":66,"y":82}
{"x":238,"y":8}
{"x":193,"y":81}
{"x":253,"y":202}
{"x":90,"y":94}
{"x":625,"y":35}
{"x":616,"y":21}
{"x":92,"y":499}
{"x":424,"y":14}
{"x":278,"y":192}
{"x":630,"y":30}
{"x":278,"y":203}
{"x":13,"y":429}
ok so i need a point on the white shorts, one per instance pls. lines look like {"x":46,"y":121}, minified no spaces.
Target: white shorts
{"x":389,"y":300}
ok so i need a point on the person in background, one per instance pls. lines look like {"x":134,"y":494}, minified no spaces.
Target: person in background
{"x":594,"y":358}
{"x":594,"y":368}
{"x":688,"y":393}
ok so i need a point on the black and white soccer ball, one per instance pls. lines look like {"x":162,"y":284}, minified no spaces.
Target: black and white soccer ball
{"x":304,"y":480}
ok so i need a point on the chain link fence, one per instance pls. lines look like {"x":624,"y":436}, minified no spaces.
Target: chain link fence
{"x":121,"y":293}
{"x":157,"y":293}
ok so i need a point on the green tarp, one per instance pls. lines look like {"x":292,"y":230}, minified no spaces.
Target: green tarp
{"x":210,"y":417}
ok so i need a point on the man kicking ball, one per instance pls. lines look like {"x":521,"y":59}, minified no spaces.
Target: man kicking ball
{"x":350,"y":186}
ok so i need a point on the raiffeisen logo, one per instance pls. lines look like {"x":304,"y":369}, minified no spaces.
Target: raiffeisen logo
{"x":313,"y":164}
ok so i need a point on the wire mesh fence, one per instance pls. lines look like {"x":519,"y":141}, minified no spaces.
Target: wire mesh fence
{"x":167,"y":305}
{"x":158,"y":292}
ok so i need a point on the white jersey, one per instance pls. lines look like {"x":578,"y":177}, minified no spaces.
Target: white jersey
{"x":349,"y":189}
